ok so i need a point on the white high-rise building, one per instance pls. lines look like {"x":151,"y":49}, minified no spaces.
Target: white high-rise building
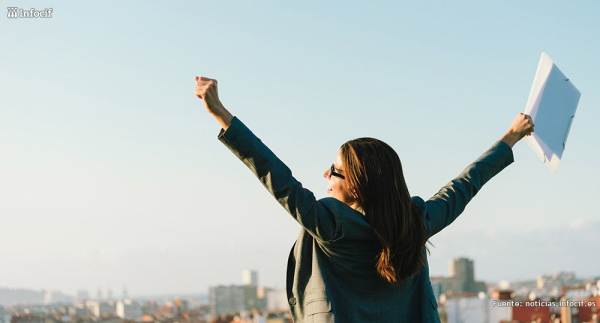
{"x":250,"y":277}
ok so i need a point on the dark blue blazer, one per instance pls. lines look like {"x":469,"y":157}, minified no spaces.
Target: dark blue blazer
{"x":331,"y":274}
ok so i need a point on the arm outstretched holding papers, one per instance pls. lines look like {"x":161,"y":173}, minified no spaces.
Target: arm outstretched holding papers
{"x":361,"y":253}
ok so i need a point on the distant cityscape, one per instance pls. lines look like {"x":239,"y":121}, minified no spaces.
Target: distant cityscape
{"x":463,"y":299}
{"x":555,"y":298}
{"x":247,"y":302}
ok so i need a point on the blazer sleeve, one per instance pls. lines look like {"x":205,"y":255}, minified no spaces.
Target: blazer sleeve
{"x":277,"y":178}
{"x":447,"y":204}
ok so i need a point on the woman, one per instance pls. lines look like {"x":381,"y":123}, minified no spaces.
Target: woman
{"x":360,"y":255}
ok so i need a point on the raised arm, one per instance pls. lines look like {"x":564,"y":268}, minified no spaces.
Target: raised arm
{"x":447,"y":204}
{"x":271,"y":171}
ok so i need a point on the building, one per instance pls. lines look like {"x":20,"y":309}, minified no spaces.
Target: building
{"x":531,"y":313}
{"x":465,"y":308}
{"x":277,"y":301}
{"x":590,"y":313}
{"x":4,"y":315}
{"x":226,"y":299}
{"x":182,"y":305}
{"x":462,"y":270}
{"x":471,"y":307}
{"x":80,"y":310}
{"x":129,"y":310}
{"x":233,"y":298}
{"x":249,"y":277}
{"x":461,"y":280}
{"x":101,"y":309}
{"x":261,"y":293}
{"x":107,"y":309}
{"x":251,"y":300}
{"x":437,"y":288}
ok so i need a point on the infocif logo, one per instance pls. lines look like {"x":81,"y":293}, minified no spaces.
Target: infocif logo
{"x":14,"y":13}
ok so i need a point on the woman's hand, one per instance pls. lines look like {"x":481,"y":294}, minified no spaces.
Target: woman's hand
{"x":206,"y":89}
{"x":522,"y":126}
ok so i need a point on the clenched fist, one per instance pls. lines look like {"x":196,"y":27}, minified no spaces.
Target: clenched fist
{"x":206,"y":89}
{"x":522,"y":126}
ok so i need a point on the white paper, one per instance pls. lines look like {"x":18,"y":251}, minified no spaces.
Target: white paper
{"x":552,"y":104}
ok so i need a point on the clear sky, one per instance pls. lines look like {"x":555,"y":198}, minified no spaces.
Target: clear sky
{"x":111,"y":173}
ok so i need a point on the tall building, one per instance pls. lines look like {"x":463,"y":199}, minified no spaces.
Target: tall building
{"x":250,"y":277}
{"x":461,"y":280}
{"x":461,"y":269}
{"x":251,"y":298}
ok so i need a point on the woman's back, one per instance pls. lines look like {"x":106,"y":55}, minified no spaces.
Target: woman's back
{"x":336,"y":281}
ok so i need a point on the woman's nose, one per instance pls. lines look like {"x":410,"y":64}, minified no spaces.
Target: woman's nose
{"x":326,"y":174}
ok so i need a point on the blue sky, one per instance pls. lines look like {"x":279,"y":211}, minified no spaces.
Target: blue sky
{"x":111,"y":173}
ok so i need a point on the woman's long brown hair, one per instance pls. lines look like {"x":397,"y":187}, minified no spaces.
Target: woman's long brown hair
{"x":373,"y":170}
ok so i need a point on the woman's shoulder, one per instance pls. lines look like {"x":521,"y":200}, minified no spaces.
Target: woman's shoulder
{"x":418,"y":205}
{"x":418,"y":202}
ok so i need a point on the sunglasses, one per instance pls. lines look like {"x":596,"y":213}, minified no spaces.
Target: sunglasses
{"x":334,"y":173}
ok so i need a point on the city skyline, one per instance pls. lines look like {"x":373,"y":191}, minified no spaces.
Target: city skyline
{"x":459,"y":296}
{"x":461,"y":271}
{"x":250,"y":277}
